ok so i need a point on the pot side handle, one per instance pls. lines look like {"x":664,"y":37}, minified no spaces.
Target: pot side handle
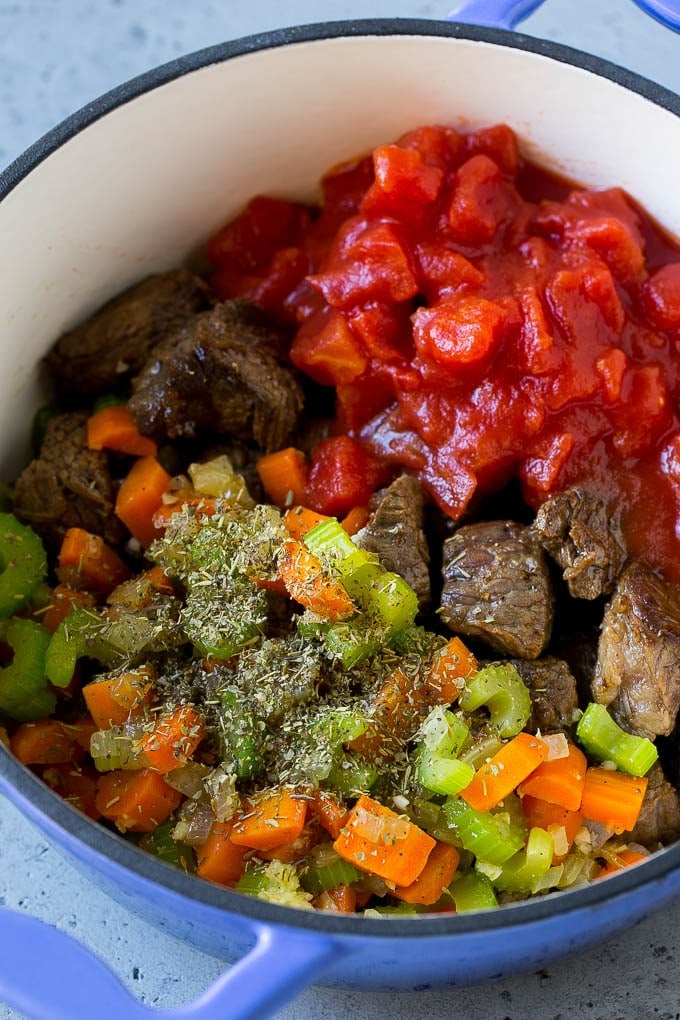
{"x":47,"y":975}
{"x":509,"y":13}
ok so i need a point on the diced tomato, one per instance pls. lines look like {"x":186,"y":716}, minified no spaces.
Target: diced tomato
{"x":342,"y":474}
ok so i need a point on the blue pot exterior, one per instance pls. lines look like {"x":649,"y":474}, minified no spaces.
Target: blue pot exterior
{"x":422,"y":952}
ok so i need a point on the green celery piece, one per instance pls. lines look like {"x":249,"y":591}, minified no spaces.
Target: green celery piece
{"x":501,"y":689}
{"x":253,"y":883}
{"x":444,"y":733}
{"x":329,"y":876}
{"x":23,"y":564}
{"x":400,"y":910}
{"x":446,"y":776}
{"x":25,"y":694}
{"x":161,"y":844}
{"x":415,"y":639}
{"x":87,"y":632}
{"x":602,"y":737}
{"x":352,"y":641}
{"x":329,"y":541}
{"x":241,"y":735}
{"x":336,"y":726}
{"x":481,"y":749}
{"x":429,"y":816}
{"x":278,"y":883}
{"x":350,"y":775}
{"x":360,"y":580}
{"x":394,"y":601}
{"x":471,"y":891}
{"x":221,"y":622}
{"x":525,"y":870}
{"x":310,"y":628}
{"x":490,"y":837}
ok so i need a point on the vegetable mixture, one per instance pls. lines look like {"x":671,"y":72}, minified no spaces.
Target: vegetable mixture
{"x":257,"y":610}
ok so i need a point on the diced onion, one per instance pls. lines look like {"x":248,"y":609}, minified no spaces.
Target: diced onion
{"x":224,"y":798}
{"x":558,"y":746}
{"x":188,"y":779}
{"x":195,"y":823}
{"x":559,"y":838}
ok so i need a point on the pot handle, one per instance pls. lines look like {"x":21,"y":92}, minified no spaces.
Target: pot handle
{"x":509,"y":13}
{"x":47,"y":975}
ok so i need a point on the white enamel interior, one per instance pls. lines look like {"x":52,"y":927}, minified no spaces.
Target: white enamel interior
{"x":144,"y":185}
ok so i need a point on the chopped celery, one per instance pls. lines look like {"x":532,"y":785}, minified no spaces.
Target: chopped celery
{"x":472,"y":891}
{"x":161,"y":844}
{"x":446,"y":776}
{"x":277,"y":883}
{"x":600,"y":736}
{"x":491,"y":837}
{"x":429,"y":816}
{"x":501,"y":689}
{"x":23,"y":564}
{"x":114,"y":749}
{"x":352,"y":641}
{"x":443,"y":733}
{"x":416,"y":640}
{"x":524,"y":872}
{"x":394,"y":601}
{"x":328,"y":876}
{"x":400,"y":910}
{"x":350,"y":775}
{"x":329,"y":541}
{"x":25,"y":694}
{"x":336,"y":726}
{"x":481,"y":750}
{"x":241,"y":735}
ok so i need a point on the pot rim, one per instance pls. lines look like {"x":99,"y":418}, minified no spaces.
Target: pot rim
{"x":112,"y":846}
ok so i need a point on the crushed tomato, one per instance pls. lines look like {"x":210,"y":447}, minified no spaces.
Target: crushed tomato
{"x":481,"y":319}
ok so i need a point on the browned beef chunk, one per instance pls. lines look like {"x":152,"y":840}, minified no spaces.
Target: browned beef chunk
{"x":115,"y":342}
{"x":659,"y":820}
{"x":223,"y":370}
{"x":497,"y":587}
{"x":638,"y":666}
{"x":578,"y":531}
{"x":395,"y":534}
{"x":554,"y":699}
{"x":68,"y":485}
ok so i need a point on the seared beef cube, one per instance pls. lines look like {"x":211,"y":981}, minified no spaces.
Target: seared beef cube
{"x":497,"y":587}
{"x":578,"y":531}
{"x":68,"y":486}
{"x":395,"y":534}
{"x":223,"y":371}
{"x":659,"y":820}
{"x":638,"y":665}
{"x":554,"y":698}
{"x":114,"y":343}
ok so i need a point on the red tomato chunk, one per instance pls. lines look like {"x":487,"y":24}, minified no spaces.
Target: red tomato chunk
{"x":480,"y":319}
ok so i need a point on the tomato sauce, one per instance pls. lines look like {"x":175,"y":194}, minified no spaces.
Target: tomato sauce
{"x":480,"y":320}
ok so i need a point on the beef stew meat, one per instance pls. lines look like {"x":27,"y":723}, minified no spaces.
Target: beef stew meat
{"x":497,"y":588}
{"x":224,"y":371}
{"x":659,"y":819}
{"x":68,"y":485}
{"x":554,"y":697}
{"x":395,"y":534}
{"x":578,"y":531}
{"x":114,"y":343}
{"x":637,"y":674}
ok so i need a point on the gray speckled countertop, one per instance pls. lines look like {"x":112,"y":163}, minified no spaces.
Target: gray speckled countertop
{"x":56,"y":55}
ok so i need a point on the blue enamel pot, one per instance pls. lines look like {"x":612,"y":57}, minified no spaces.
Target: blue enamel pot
{"x":131,"y":185}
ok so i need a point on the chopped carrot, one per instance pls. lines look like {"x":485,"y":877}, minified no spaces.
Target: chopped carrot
{"x":625,"y":859}
{"x":294,"y":849}
{"x":86,"y":561}
{"x":284,"y":476}
{"x":175,"y":737}
{"x":613,"y":798}
{"x":436,"y":876}
{"x":307,"y":583}
{"x":377,"y":840}
{"x":559,"y":781}
{"x":46,"y":742}
{"x":507,"y":769}
{"x":394,"y":714}
{"x":140,"y":495}
{"x":114,"y":428}
{"x":62,"y":602}
{"x":157,"y":577}
{"x":331,"y":812}
{"x":341,"y":900}
{"x":450,"y":666}
{"x":81,"y":731}
{"x":357,"y":518}
{"x":77,"y":784}
{"x":137,"y":801}
{"x":220,"y":860}
{"x":112,"y":700}
{"x":300,"y":519}
{"x":203,"y":506}
{"x":274,"y":817}
{"x":551,"y":817}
